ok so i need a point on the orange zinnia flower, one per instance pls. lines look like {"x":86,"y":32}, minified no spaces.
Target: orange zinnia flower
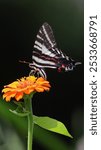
{"x":25,"y":85}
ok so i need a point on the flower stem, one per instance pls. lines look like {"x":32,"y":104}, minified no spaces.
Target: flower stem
{"x":28,"y":104}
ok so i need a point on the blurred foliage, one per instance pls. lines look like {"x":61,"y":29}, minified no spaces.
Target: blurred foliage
{"x":9,"y":139}
{"x":11,"y":125}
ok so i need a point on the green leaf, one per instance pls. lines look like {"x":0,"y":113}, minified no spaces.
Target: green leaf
{"x":51,"y":125}
{"x":20,"y":104}
{"x":23,"y":114}
{"x":20,"y":109}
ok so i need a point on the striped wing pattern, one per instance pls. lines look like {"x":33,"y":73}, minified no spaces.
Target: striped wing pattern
{"x":46,"y":54}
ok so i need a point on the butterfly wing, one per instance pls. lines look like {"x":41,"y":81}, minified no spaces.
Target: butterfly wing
{"x":46,"y":53}
{"x":45,"y":38}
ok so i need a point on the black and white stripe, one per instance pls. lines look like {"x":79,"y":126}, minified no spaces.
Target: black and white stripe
{"x":47,"y":55}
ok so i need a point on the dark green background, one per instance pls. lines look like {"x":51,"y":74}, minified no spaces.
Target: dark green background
{"x":19,"y":24}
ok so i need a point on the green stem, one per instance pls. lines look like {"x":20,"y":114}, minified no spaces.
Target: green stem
{"x":28,"y":105}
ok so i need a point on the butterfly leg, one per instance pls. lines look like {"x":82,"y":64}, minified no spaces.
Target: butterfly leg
{"x":38,"y":72}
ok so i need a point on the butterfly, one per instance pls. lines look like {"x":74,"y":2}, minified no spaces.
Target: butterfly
{"x":46,"y":54}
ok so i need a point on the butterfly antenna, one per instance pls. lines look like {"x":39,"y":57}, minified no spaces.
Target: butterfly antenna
{"x":25,"y":62}
{"x":78,"y":63}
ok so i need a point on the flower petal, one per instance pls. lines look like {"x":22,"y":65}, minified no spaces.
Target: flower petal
{"x":19,"y":96}
{"x":31,"y":78}
{"x":6,"y":90}
{"x":12,"y":85}
{"x":28,"y":91}
{"x":9,"y":95}
{"x":39,"y":89}
{"x":39,"y":80}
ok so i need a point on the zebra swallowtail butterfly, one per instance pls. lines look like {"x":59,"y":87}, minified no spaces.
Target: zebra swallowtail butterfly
{"x":47,"y":55}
